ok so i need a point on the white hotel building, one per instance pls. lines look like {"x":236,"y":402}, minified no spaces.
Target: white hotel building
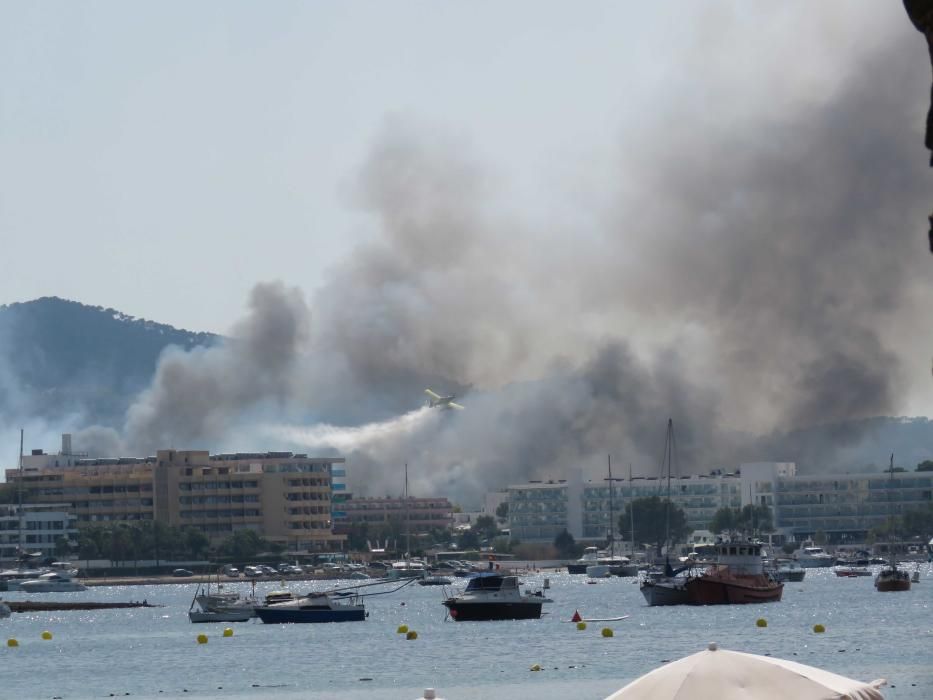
{"x":844,"y":506}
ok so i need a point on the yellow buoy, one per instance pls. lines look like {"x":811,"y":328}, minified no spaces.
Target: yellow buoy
{"x":12,"y":643}
{"x":818,"y":628}
{"x":411,"y":635}
{"x":607,"y":632}
{"x":761,"y":622}
{"x":46,"y":635}
{"x":228,"y":631}
{"x":536,"y":667}
{"x":581,"y":625}
{"x":402,"y":629}
{"x":202,"y":639}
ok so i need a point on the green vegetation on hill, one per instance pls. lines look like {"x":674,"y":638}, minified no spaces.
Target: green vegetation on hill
{"x":63,"y":357}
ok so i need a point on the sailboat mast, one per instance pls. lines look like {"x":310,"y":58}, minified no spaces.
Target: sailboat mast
{"x":891,"y":513}
{"x":407,"y":517}
{"x":19,"y":496}
{"x":611,"y":511}
{"x":631,"y":496}
{"x":667,"y":505}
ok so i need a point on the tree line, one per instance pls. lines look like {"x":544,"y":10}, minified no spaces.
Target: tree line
{"x":124,"y":542}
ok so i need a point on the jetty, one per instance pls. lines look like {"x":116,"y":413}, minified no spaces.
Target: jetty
{"x":21,"y":606}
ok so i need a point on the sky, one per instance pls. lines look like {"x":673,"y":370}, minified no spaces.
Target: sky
{"x":602,"y":209}
{"x":163,"y":157}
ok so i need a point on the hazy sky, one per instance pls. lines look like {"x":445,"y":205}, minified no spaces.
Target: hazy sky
{"x":161,"y":158}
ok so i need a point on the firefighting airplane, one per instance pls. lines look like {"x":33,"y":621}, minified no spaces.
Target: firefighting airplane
{"x":437,"y":401}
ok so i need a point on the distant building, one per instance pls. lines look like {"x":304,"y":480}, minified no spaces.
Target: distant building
{"x":284,"y":497}
{"x":844,"y":506}
{"x":42,"y":528}
{"x":423,"y":514}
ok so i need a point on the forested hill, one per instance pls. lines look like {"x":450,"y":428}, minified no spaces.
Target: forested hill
{"x":60,"y":357}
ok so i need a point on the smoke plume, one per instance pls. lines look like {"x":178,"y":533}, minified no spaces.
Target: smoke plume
{"x":753,"y":274}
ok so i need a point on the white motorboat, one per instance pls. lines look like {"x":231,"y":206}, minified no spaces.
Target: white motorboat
{"x":810,"y":556}
{"x":612,"y":566}
{"x":52,"y":582}
{"x":589,"y":558}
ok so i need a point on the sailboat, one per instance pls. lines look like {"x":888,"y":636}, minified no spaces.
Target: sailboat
{"x":407,"y":567}
{"x":610,"y":563}
{"x":666,"y":588}
{"x":890,"y":578}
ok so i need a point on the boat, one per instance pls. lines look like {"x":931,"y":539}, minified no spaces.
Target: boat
{"x":891,"y":578}
{"x":220,"y":605}
{"x":738,"y":577}
{"x":407,"y":568}
{"x":609,"y":562}
{"x":851,"y":571}
{"x":665,"y":590}
{"x":810,"y":556}
{"x":609,"y":565}
{"x":52,"y":582}
{"x":495,"y":597}
{"x":314,"y":608}
{"x":588,"y":558}
{"x":915,"y":576}
{"x":666,"y":585}
{"x":435,"y":581}
{"x":787,"y":570}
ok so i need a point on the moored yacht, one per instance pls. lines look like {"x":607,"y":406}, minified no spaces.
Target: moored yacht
{"x":809,"y":556}
{"x":589,"y":557}
{"x":495,"y":597}
{"x":606,"y":566}
{"x":315,"y":607}
{"x":52,"y":582}
{"x":785,"y":570}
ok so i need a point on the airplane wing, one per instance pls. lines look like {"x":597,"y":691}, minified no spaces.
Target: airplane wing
{"x":455,"y":405}
{"x":432,"y":394}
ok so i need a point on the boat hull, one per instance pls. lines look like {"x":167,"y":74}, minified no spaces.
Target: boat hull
{"x":57,"y":587}
{"x":578,"y":568}
{"x":712,"y":590}
{"x":662,"y":593}
{"x":473,"y":612}
{"x":789,"y":576}
{"x":273,"y":615}
{"x":225,"y":616}
{"x":888,"y":581}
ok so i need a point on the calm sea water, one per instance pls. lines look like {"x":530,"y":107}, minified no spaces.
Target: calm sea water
{"x":152,"y":653}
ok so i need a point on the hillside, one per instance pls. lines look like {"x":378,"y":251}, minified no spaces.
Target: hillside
{"x":60,"y":357}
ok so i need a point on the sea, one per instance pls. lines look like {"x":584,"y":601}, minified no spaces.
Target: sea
{"x":153,"y":653}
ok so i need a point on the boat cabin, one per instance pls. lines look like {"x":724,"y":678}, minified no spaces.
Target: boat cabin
{"x":492,"y":583}
{"x":740,"y":557}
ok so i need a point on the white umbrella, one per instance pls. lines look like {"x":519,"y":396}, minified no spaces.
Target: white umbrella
{"x":719,"y":674}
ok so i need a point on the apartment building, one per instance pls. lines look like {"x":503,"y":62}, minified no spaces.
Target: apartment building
{"x":422,"y":514}
{"x":844,"y":506}
{"x":284,"y":497}
{"x":35,"y":528}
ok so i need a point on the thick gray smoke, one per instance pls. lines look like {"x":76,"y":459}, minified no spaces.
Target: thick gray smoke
{"x":199,"y":399}
{"x":754,"y":274}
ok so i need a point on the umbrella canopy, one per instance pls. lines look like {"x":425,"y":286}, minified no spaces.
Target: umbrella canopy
{"x":719,"y":674}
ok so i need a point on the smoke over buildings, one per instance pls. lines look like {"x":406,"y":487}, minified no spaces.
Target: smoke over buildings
{"x":753,"y":272}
